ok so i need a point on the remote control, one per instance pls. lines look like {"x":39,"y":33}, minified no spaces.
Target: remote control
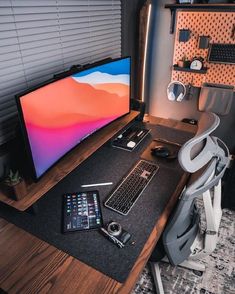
{"x":81,"y":211}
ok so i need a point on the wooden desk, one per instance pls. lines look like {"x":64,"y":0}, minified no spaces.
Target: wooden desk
{"x":29,"y":265}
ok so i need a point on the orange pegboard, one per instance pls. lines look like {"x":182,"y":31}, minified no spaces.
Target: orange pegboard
{"x":217,"y":25}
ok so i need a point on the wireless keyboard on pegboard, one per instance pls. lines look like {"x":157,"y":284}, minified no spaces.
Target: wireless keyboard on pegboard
{"x":222,"y":53}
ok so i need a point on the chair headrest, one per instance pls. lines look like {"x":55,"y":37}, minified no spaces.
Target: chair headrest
{"x":199,"y":150}
{"x":207,"y":124}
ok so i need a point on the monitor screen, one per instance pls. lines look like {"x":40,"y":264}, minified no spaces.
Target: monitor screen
{"x":59,"y":115}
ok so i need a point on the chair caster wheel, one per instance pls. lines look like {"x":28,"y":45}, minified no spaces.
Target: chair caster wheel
{"x":198,"y":273}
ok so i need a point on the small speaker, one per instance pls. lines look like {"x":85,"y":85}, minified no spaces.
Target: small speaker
{"x":138,"y":105}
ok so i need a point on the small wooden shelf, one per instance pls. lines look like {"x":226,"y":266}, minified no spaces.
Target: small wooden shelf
{"x":198,"y":7}
{"x":218,"y":6}
{"x":201,"y":71}
{"x":68,"y":163}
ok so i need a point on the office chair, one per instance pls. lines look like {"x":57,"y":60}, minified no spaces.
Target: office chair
{"x":206,"y":157}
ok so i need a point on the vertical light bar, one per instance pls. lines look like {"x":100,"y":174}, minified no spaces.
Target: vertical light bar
{"x":145,"y":51}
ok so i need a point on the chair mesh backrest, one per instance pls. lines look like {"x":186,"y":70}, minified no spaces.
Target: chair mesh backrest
{"x":201,"y":156}
{"x":198,"y":151}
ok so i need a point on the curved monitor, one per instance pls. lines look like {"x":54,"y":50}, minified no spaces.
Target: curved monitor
{"x":59,"y":115}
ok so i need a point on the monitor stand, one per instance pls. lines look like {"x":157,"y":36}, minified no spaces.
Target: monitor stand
{"x":68,"y":163}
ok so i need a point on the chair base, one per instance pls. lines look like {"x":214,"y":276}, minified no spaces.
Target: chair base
{"x":189,"y":264}
{"x":157,"y":277}
{"x":194,"y":265}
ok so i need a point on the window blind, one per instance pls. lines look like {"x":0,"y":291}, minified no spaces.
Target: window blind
{"x":41,"y":38}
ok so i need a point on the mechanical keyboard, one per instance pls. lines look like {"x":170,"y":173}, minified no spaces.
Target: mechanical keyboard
{"x":128,"y":191}
{"x":222,"y":53}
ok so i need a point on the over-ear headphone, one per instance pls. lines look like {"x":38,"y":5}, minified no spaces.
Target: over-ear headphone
{"x":172,"y":96}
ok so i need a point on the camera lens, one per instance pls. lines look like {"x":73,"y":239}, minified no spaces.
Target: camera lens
{"x":114,"y":228}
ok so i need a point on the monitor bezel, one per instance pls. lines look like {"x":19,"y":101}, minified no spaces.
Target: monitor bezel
{"x":31,"y":166}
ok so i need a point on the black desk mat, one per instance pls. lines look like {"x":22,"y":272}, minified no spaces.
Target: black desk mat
{"x":106,"y":165}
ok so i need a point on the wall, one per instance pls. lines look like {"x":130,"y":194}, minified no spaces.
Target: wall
{"x":159,"y":74}
{"x":130,"y":36}
{"x":162,"y":46}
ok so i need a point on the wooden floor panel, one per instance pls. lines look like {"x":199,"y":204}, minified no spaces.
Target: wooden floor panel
{"x":29,"y":265}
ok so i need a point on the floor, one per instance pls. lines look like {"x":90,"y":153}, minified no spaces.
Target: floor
{"x":219,"y":277}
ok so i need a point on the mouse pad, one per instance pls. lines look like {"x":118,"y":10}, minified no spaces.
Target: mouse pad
{"x":171,"y":161}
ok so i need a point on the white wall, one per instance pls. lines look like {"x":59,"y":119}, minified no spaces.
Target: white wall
{"x":160,"y":63}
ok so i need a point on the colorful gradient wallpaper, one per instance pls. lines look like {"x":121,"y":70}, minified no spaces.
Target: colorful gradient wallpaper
{"x":60,"y":115}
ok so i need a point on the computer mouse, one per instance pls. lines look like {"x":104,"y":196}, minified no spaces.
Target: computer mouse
{"x":160,"y":151}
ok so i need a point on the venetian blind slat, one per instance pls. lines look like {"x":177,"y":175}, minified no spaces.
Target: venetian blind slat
{"x":41,"y":38}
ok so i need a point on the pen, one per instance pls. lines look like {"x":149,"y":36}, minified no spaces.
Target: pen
{"x":98,"y":184}
{"x":140,"y":133}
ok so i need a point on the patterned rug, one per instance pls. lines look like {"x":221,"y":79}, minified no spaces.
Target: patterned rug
{"x":219,"y":277}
